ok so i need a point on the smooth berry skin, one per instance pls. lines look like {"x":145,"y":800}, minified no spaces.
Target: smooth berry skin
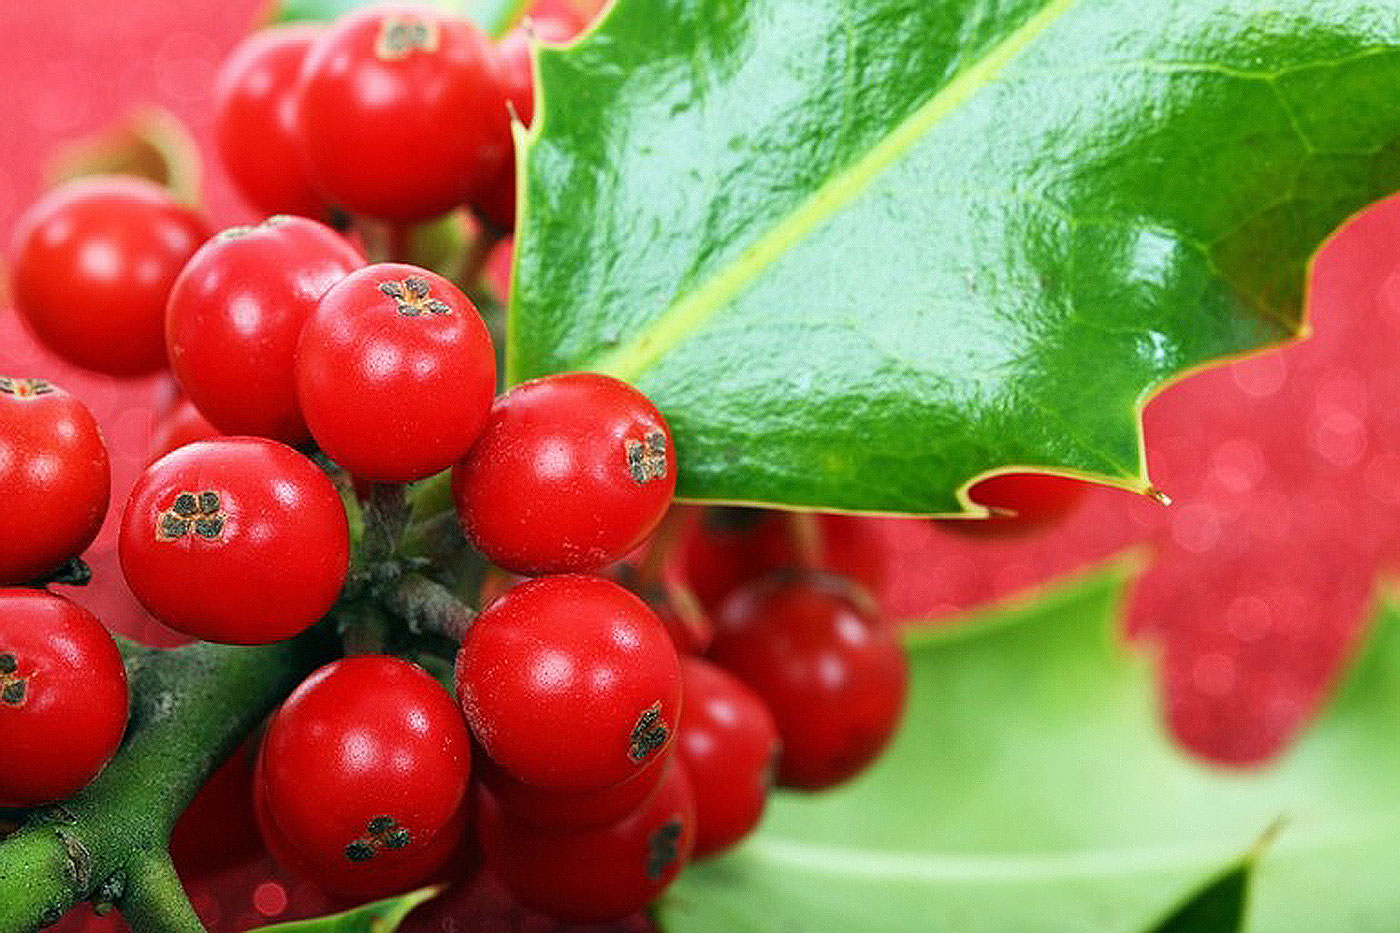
{"x":364,"y":772}
{"x":570,"y":683}
{"x":570,"y":474}
{"x":255,"y":129}
{"x":495,"y":201}
{"x":55,"y":479}
{"x":236,"y":313}
{"x":832,"y":675}
{"x":1020,"y":503}
{"x":570,"y":810}
{"x":181,"y":425}
{"x":400,"y":114}
{"x":260,"y":561}
{"x":63,"y":698}
{"x":728,"y":746}
{"x":93,"y":263}
{"x":593,"y":875}
{"x":395,"y":373}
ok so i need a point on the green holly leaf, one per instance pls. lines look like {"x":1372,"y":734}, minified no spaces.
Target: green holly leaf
{"x":1033,"y":789}
{"x":380,"y":917}
{"x":495,"y":16}
{"x":863,"y":251}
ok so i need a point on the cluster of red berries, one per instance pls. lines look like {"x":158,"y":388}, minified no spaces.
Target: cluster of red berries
{"x":597,"y":740}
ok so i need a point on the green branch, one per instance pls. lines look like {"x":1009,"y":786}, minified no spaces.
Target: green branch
{"x":191,"y":706}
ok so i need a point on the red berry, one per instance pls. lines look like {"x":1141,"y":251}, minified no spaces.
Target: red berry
{"x":395,"y":373}
{"x":495,"y":200}
{"x":570,"y":474}
{"x":400,"y":114}
{"x":1020,"y":503}
{"x":218,"y":829}
{"x":255,"y":126}
{"x":832,"y":675}
{"x":235,"y":315}
{"x":728,"y":746}
{"x":93,"y":263}
{"x":593,"y":875}
{"x":563,"y":809}
{"x":63,"y":698}
{"x":238,"y":540}
{"x":54,"y":479}
{"x":182,"y":425}
{"x":364,"y":774}
{"x":570,"y":683}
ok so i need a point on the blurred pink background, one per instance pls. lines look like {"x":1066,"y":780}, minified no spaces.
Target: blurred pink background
{"x":1284,"y":469}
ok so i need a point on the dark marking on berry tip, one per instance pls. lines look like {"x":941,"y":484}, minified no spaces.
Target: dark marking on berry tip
{"x":402,"y":35}
{"x":25,"y":388}
{"x":381,"y":832}
{"x":193,"y":513}
{"x":8,"y":664}
{"x":663,"y":848}
{"x":413,"y":297}
{"x":646,"y":459}
{"x":649,"y":734}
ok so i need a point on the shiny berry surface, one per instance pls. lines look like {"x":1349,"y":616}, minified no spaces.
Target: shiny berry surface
{"x":570,"y":682}
{"x":593,"y":875}
{"x":832,"y":674}
{"x":570,"y":474}
{"x":55,"y":478}
{"x":63,"y":697}
{"x":238,"y":540}
{"x":395,"y":373}
{"x":364,"y":774}
{"x":236,"y":313}
{"x":728,"y":746}
{"x":255,"y":121}
{"x":563,"y":809}
{"x":399,"y":112}
{"x":93,"y":262}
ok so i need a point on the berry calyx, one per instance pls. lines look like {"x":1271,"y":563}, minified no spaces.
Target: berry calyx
{"x":395,"y":373}
{"x":570,"y":474}
{"x":94,"y":261}
{"x":63,"y":697}
{"x":55,"y":479}
{"x":416,"y":90}
{"x":237,"y":540}
{"x":833,"y":676}
{"x":236,"y":313}
{"x":363,"y":776}
{"x":728,"y":745}
{"x":570,"y":683}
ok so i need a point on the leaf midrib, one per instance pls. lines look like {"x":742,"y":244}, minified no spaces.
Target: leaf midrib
{"x":629,"y":360}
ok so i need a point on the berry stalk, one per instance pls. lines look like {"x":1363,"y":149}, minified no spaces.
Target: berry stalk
{"x":190,"y":708}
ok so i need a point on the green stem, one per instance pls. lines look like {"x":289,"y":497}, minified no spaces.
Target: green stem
{"x":190,"y":707}
{"x":155,"y":900}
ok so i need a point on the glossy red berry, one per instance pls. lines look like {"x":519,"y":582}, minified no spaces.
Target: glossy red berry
{"x":236,"y":313}
{"x":54,"y":479}
{"x":1020,"y":503}
{"x":570,"y":474}
{"x":495,"y":201}
{"x":400,"y":113}
{"x":395,"y":373}
{"x":564,"y":809}
{"x":728,"y":745}
{"x":181,"y":425}
{"x":832,"y":675}
{"x":570,"y":682}
{"x":255,"y":127}
{"x":63,"y":698}
{"x":238,"y":540}
{"x":364,"y":774}
{"x":593,"y":875}
{"x":93,"y":264}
